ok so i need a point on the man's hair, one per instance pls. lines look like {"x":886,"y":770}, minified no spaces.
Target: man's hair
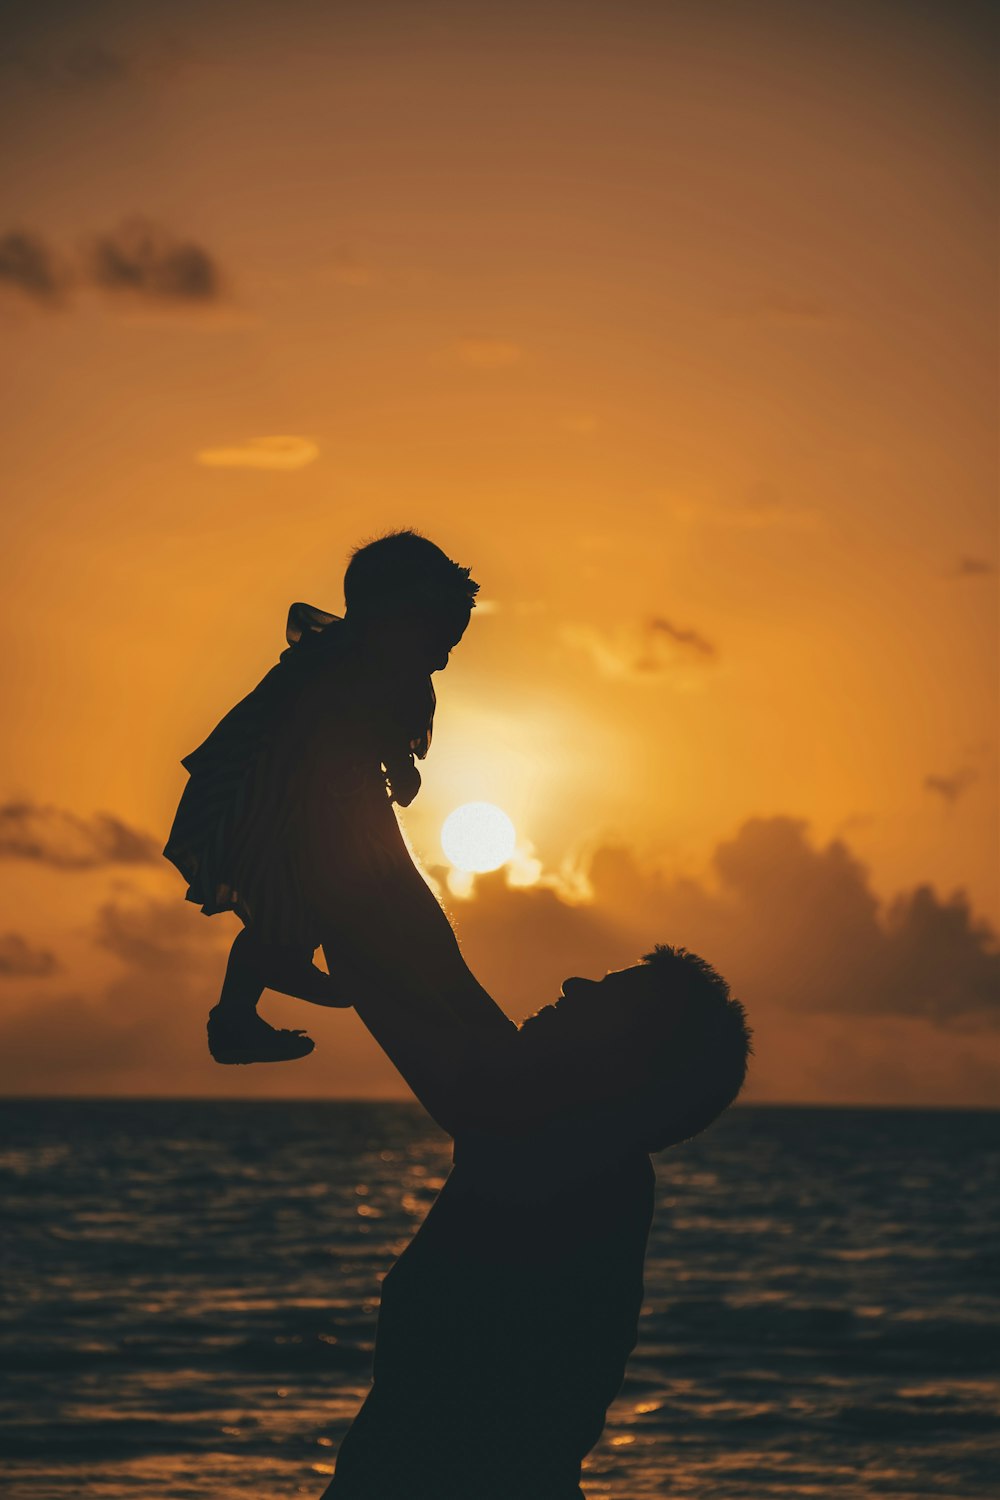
{"x":704,"y":1058}
{"x":403,"y":570}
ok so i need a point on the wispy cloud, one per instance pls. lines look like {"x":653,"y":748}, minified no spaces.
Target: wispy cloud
{"x":138,"y":264}
{"x":286,"y":452}
{"x":951,"y":787}
{"x":653,"y":649}
{"x":19,"y":960}
{"x":143,"y":259}
{"x":48,"y":60}
{"x":79,"y":66}
{"x":682,"y":636}
{"x":973,"y":567}
{"x":52,"y":836}
{"x":29,"y":266}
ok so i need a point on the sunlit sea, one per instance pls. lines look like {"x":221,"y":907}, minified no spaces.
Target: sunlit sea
{"x":190,"y":1292}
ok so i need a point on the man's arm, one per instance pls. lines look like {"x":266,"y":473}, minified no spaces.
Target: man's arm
{"x":414,"y":991}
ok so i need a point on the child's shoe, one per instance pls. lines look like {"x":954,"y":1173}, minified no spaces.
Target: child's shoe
{"x":250,"y":1039}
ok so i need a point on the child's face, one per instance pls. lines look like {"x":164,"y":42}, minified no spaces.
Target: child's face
{"x":419,"y":639}
{"x":425,"y":641}
{"x":437,"y":641}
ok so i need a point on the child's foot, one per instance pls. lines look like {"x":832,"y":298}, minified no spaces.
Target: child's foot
{"x":302,"y":980}
{"x":249,"y":1039}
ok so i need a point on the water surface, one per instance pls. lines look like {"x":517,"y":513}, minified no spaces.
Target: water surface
{"x":190,"y":1292}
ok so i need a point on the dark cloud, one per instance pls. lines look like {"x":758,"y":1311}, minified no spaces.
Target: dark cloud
{"x":796,"y":926}
{"x":29,"y":266}
{"x":144,"y":1031}
{"x":40,"y":52}
{"x":18,"y":959}
{"x":150,"y":934}
{"x":852,"y":998}
{"x":973,"y":567}
{"x":53,"y":836}
{"x":689,"y":639}
{"x":142,"y":1023}
{"x":80,"y":66}
{"x":142,"y":258}
{"x":951,"y":787}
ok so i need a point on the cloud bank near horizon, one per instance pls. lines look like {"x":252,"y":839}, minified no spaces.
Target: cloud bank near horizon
{"x":849,"y":995}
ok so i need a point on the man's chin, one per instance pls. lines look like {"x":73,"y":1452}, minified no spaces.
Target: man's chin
{"x":543,"y":1022}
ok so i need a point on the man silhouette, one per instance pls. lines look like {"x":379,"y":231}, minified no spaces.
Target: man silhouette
{"x":506,"y":1324}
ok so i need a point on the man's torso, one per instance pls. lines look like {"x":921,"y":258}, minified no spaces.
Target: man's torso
{"x":503,"y":1335}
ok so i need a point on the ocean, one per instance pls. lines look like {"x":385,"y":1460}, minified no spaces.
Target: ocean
{"x":190,"y":1291}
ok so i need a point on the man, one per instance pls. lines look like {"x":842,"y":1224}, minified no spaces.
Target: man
{"x":506,"y":1324}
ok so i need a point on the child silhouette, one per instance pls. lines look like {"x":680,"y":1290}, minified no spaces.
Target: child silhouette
{"x":286,"y":800}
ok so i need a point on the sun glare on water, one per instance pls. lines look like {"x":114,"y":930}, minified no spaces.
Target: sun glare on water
{"x":478,"y":837}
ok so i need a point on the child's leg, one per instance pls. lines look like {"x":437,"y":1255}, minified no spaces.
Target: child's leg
{"x":236,"y":1033}
{"x":244,"y":982}
{"x":291,"y":971}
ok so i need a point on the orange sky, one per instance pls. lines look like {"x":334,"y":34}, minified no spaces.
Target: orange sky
{"x":678,"y":323}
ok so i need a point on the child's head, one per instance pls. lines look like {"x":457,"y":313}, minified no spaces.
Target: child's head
{"x":406,"y":585}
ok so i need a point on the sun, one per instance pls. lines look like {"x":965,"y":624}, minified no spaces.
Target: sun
{"x":478,"y":837}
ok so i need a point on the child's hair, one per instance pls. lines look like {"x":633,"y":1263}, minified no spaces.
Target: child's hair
{"x":403,"y":570}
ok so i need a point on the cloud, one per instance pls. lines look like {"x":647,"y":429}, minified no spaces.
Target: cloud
{"x":951,"y":787}
{"x":144,"y":259}
{"x":287,"y":452}
{"x":784,"y":919}
{"x":82,"y":66}
{"x":140,"y":260}
{"x":973,"y":567}
{"x":28,"y":265}
{"x":18,"y":959}
{"x":487,"y":354}
{"x":143,"y":1032}
{"x":682,"y":636}
{"x":852,"y":997}
{"x":87,"y":66}
{"x":146,"y":1024}
{"x":656,"y":648}
{"x":52,"y":836}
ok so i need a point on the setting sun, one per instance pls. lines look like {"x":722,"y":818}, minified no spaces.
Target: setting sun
{"x":478,"y":837}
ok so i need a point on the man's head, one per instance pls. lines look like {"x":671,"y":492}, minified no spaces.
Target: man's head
{"x":661,"y":1046}
{"x":404,"y":587}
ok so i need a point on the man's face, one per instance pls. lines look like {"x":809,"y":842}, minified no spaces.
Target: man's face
{"x":595,"y":1032}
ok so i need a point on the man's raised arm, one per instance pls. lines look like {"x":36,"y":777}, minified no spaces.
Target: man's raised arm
{"x":414,"y":991}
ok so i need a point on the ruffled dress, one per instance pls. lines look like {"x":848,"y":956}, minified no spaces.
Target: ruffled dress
{"x":287,"y":817}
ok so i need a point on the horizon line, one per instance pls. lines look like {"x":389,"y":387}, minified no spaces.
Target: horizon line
{"x":375,"y":1099}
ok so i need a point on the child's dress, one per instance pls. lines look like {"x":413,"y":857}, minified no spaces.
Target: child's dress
{"x":287,"y":809}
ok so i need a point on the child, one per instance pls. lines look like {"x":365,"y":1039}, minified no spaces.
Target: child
{"x":283,"y":819}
